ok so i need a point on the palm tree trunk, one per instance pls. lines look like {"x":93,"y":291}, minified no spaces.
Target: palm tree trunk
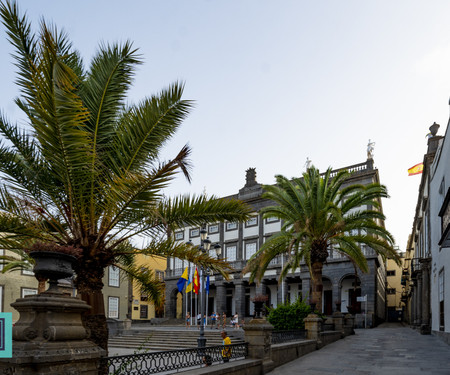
{"x":89,"y":286}
{"x":316,"y":285}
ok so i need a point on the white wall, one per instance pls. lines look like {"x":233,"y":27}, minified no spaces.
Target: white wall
{"x":440,"y":257}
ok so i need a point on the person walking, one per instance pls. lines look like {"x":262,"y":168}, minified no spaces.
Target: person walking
{"x":224,"y":320}
{"x":226,"y":351}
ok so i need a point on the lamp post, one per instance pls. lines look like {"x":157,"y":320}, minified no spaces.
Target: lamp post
{"x":205,"y":245}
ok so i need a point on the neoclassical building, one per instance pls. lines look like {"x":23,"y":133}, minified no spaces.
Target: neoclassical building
{"x":239,"y":241}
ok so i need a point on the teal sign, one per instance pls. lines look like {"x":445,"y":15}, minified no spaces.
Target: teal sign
{"x":5,"y":335}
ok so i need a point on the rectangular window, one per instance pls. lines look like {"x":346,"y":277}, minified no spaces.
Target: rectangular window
{"x":213,"y":228}
{"x":28,"y":292}
{"x":253,"y":221}
{"x":179,"y":236}
{"x":28,"y":272}
{"x":231,"y":253}
{"x":390,"y":273}
{"x":272,"y":220}
{"x":250,"y":249}
{"x":195,"y":232}
{"x":231,"y":226}
{"x":390,"y":291}
{"x":113,"y":307}
{"x":144,"y":312}
{"x":113,"y":276}
{"x":178,"y":264}
{"x":159,"y":275}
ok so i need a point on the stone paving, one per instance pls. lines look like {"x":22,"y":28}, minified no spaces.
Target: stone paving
{"x":388,"y":349}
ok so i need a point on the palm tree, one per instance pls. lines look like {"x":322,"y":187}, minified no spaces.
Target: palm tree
{"x":85,"y":172}
{"x":317,"y":212}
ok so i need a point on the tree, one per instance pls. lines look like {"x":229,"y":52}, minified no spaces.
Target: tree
{"x":85,"y":171}
{"x":318,"y":212}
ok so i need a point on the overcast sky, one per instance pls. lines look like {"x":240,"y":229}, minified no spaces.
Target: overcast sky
{"x":276,"y":82}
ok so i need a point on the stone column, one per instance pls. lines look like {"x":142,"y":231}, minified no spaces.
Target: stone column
{"x":419,"y":299}
{"x":425,"y":328}
{"x":306,"y":285}
{"x":282,"y":288}
{"x":239,"y":298}
{"x":414,"y":303}
{"x":258,"y":334}
{"x":221,"y":297}
{"x":336,"y":294}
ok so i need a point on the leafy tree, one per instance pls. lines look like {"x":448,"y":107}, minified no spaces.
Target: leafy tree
{"x":289,"y":316}
{"x":318,"y":212}
{"x":85,"y":171}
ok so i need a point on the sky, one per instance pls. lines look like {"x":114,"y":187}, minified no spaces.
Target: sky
{"x":277,"y":82}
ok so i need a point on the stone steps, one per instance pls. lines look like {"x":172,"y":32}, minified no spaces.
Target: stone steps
{"x":160,"y":340}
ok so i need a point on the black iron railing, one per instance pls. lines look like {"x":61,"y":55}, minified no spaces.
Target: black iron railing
{"x":279,"y":337}
{"x":173,"y":360}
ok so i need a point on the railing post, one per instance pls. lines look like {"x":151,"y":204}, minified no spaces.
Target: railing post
{"x":313,"y":326}
{"x":258,"y":334}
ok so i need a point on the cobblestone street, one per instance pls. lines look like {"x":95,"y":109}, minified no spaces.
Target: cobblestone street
{"x":387,"y":349}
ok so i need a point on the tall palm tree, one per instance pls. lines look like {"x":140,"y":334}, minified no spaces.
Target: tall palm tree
{"x":85,"y":171}
{"x":317,"y":212}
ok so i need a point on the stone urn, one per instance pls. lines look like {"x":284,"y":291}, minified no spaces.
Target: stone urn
{"x":53,"y":266}
{"x":434,"y":129}
{"x":258,"y":308}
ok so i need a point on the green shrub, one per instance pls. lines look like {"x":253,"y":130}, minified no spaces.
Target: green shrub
{"x":289,"y":316}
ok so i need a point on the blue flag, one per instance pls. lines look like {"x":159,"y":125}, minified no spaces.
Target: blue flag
{"x":182,"y":281}
{"x":207,"y":284}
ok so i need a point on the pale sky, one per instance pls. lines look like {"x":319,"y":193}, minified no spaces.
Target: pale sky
{"x":276,"y":82}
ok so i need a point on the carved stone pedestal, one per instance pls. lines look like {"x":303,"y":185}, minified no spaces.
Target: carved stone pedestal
{"x":49,"y":338}
{"x":338,"y":320}
{"x":258,"y":334}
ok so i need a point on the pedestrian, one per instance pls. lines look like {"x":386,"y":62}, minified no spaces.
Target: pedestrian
{"x":224,"y":320}
{"x":199,"y":320}
{"x":226,"y":351}
{"x":188,"y":319}
{"x":213,"y":319}
{"x":236,"y":321}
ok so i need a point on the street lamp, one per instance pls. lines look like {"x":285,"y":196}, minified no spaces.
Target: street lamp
{"x":205,"y":245}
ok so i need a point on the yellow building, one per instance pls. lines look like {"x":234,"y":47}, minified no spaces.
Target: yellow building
{"x":395,"y":289}
{"x":142,"y":308}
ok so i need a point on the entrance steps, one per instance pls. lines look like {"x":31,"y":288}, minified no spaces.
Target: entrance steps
{"x":161,"y":339}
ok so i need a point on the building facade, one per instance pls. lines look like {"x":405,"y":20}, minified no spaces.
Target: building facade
{"x":239,"y":241}
{"x":429,"y":242}
{"x":142,"y":308}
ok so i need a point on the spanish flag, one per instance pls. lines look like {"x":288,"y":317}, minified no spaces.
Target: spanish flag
{"x":196,"y":281}
{"x":417,"y":169}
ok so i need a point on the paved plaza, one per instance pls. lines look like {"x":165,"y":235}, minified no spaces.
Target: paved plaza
{"x":387,"y":349}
